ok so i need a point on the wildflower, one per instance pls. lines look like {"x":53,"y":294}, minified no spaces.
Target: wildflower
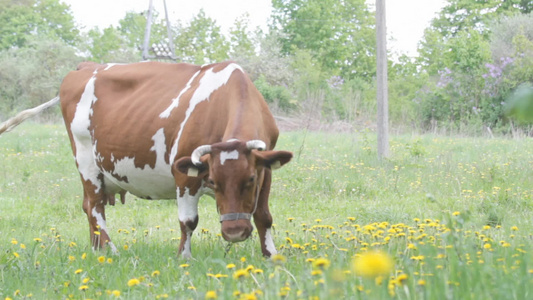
{"x":421,"y":282}
{"x":101,"y":259}
{"x":38,"y":240}
{"x":278,"y":259}
{"x":14,"y":241}
{"x":83,"y":287}
{"x":230,"y":266}
{"x":456,"y":213}
{"x":400,"y":280}
{"x":184,"y":265}
{"x":109,"y":260}
{"x":372,"y":264}
{"x":241,"y":273}
{"x":322,"y":263}
{"x":22,"y":246}
{"x":71,"y":258}
{"x":243,"y":259}
{"x":133,"y":282}
{"x":85,"y":280}
{"x":116,"y":293}
{"x":78,"y":271}
{"x":487,"y":246}
{"x":514,"y":228}
{"x":16,"y":254}
{"x":156,"y":273}
{"x":84,"y":256}
{"x":211,"y":295}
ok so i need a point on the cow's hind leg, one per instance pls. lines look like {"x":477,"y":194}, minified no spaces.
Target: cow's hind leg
{"x":263,"y":218}
{"x":94,"y":207}
{"x":188,"y":216}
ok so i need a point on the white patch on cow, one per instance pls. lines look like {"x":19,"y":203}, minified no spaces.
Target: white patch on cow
{"x":209,"y":83}
{"x":186,"y":253}
{"x":187,"y":206}
{"x":231,"y":140}
{"x":187,"y":211}
{"x":82,"y":136}
{"x":156,"y":183}
{"x":269,"y":243}
{"x":175,"y":102}
{"x":110,"y":65}
{"x":225,"y":155}
{"x":100,"y":221}
{"x":113,"y":247}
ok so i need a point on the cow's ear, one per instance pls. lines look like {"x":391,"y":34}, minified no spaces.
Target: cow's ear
{"x":273,"y":159}
{"x":184,"y":165}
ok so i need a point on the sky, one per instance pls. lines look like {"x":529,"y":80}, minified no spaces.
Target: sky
{"x":406,"y":19}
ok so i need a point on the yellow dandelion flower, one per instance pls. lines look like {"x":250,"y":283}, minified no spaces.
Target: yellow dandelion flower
{"x":16,"y":254}
{"x":14,"y":241}
{"x":109,"y":260}
{"x":126,"y":247}
{"x":487,"y":246}
{"x":116,"y":293}
{"x":421,"y":282}
{"x":401,"y":279}
{"x":230,"y":266}
{"x":322,"y":263}
{"x":278,"y":259}
{"x":84,"y":256}
{"x":133,"y":282}
{"x":211,"y":295}
{"x":78,"y":271}
{"x":71,"y":258}
{"x":241,"y":273}
{"x":83,"y":287}
{"x":184,"y":265}
{"x":372,"y":264}
{"x":22,"y":246}
{"x":514,"y":228}
{"x":456,"y":213}
{"x":156,"y":273}
{"x":38,"y":240}
{"x":86,"y":279}
{"x":101,"y":259}
{"x":243,"y":259}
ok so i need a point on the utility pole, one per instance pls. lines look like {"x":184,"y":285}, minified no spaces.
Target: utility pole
{"x":163,"y":51}
{"x":382,"y":81}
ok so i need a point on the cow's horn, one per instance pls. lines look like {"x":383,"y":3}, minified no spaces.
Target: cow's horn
{"x":199,"y":152}
{"x":256,"y":144}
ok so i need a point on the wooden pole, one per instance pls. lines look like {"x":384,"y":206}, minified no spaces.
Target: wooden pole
{"x":382,"y":81}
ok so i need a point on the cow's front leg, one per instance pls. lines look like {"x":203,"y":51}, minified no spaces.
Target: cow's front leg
{"x":188,"y":216}
{"x":94,"y":207}
{"x":263,"y":218}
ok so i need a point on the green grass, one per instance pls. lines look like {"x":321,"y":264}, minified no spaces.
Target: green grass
{"x":334,"y":201}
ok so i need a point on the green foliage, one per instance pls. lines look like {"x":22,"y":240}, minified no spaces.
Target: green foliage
{"x":339,"y":35}
{"x":23,"y":19}
{"x":202,"y":41}
{"x":277,"y":96}
{"x":520,"y":104}
{"x":32,"y":75}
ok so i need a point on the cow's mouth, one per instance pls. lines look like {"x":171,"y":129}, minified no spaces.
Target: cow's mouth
{"x":236,"y":231}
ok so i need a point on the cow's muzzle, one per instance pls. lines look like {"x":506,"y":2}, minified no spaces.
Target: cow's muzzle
{"x":236,"y":230}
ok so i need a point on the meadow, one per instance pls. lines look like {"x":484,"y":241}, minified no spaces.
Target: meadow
{"x":442,"y":218}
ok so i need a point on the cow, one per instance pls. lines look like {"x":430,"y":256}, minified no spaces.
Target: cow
{"x":173,"y":131}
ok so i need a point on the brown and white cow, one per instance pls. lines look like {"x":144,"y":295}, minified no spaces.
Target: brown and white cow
{"x":173,"y":131}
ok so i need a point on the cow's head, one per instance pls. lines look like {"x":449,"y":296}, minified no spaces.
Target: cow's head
{"x":235,"y":172}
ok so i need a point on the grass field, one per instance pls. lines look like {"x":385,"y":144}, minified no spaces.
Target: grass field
{"x":443,"y":218}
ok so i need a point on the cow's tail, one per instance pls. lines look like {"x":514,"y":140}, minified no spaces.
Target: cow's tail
{"x":25,"y":114}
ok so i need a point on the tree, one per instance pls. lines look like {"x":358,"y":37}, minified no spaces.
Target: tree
{"x":339,"y":34}
{"x":32,"y":75}
{"x":202,"y":41}
{"x":22,"y":19}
